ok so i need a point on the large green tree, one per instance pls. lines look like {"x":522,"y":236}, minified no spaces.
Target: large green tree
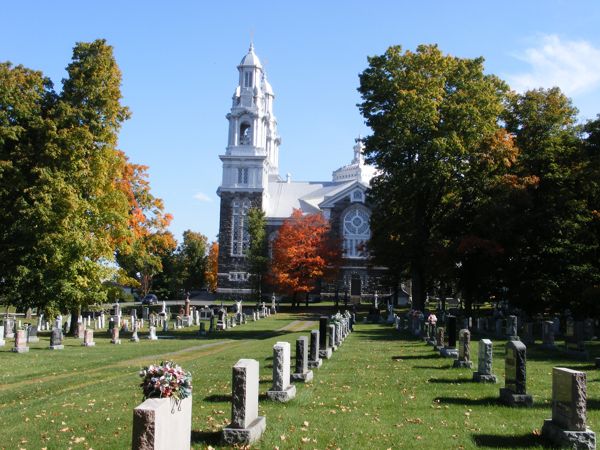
{"x":61,"y":187}
{"x":428,"y":112}
{"x":192,"y":259}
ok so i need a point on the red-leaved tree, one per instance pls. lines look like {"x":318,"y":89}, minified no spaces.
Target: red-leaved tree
{"x":303,"y":252}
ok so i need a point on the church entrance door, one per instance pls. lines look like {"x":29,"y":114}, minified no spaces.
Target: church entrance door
{"x":355,"y":285}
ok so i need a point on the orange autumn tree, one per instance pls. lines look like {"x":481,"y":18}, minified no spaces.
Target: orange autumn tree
{"x":212,"y":267}
{"x":302,"y":253}
{"x":140,"y":254}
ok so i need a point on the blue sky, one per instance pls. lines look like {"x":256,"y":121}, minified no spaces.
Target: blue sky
{"x":179,"y":60}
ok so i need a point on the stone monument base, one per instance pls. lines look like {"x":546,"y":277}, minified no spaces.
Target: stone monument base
{"x":432,"y":342}
{"x":33,"y":339}
{"x":135,"y":339}
{"x":20,"y":349}
{"x":248,"y":435}
{"x":2,"y":342}
{"x":568,"y":439}
{"x":315,"y":364}
{"x":282,"y":396}
{"x":579,"y":354}
{"x":153,"y":338}
{"x":484,"y":377}
{"x":326,"y":354}
{"x":303,"y":377}
{"x":509,"y":398}
{"x":89,"y":344}
{"x":56,"y":347}
{"x":513,"y":338}
{"x":449,"y":352}
{"x":462,"y":364}
{"x":116,"y":341}
{"x":334,"y":348}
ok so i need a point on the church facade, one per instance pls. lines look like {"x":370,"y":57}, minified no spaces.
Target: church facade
{"x":251,"y":179}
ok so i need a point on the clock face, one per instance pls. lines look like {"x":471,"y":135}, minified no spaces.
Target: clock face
{"x":356,"y":222}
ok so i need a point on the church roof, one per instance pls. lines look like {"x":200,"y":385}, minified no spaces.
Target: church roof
{"x":251,"y":59}
{"x":305,"y":195}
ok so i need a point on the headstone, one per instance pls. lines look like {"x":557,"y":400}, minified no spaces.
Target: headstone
{"x":314,"y":359}
{"x":145,"y":313}
{"x":338,"y":334}
{"x":114,"y":336}
{"x":20,"y":342}
{"x":568,"y":428}
{"x":511,"y":328}
{"x":325,"y":351}
{"x":9,"y":328}
{"x":165,"y":325}
{"x":134,"y":335}
{"x":302,"y":373}
{"x":152,"y":333}
{"x":484,"y":363}
{"x":202,"y":330}
{"x":514,"y":392}
{"x":246,"y":425}
{"x":450,"y":351}
{"x":2,"y":341}
{"x":548,"y":331}
{"x":80,"y":330}
{"x":528,"y":337}
{"x":88,"y":338}
{"x":440,"y":339}
{"x":332,"y":337}
{"x":56,"y":339}
{"x":162,"y":424}
{"x":32,"y":334}
{"x":282,"y":390}
{"x":575,"y":340}
{"x":499,"y":328}
{"x":464,"y":349}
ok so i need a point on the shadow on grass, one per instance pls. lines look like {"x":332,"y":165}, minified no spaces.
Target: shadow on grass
{"x":450,"y":381}
{"x":383,"y":333}
{"x":432,"y":367}
{"x":206,"y":437}
{"x":233,"y":335}
{"x":500,"y":441}
{"x":218,"y":398}
{"x":486,"y":401}
{"x":430,"y":356}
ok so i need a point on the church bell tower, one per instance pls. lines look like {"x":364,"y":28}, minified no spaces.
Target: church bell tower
{"x":250,"y":161}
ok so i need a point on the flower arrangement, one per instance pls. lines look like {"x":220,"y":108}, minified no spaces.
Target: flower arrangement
{"x":166,"y":380}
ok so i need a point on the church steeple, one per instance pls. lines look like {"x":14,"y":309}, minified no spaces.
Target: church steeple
{"x":252,"y":154}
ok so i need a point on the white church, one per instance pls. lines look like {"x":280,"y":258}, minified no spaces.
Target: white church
{"x":251,"y":179}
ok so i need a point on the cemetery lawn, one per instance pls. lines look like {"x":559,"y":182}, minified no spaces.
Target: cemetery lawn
{"x":381,"y":389}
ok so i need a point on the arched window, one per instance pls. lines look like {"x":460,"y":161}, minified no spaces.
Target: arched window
{"x":245,"y":134}
{"x":240,"y":239}
{"x":356,"y":232}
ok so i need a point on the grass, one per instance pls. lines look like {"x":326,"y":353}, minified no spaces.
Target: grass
{"x":381,"y":389}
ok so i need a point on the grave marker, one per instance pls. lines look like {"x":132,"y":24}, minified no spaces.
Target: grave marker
{"x":464,"y":350}
{"x":484,"y":363}
{"x":568,"y":428}
{"x":20,"y":342}
{"x":246,"y":425}
{"x":314,"y":361}
{"x":282,"y":390}
{"x":514,"y":392}
{"x":88,"y":338}
{"x":302,"y":373}
{"x":56,"y":339}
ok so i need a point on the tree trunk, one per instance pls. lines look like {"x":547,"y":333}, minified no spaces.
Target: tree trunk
{"x":74,"y":317}
{"x":294,"y":299}
{"x":306,"y":299}
{"x":418,"y":288}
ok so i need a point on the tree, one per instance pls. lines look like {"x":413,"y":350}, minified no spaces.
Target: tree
{"x":554,"y":243}
{"x":192,"y":259}
{"x":212,"y":267}
{"x":301,"y":252}
{"x":67,"y":211}
{"x":427,"y":112}
{"x":257,"y":254}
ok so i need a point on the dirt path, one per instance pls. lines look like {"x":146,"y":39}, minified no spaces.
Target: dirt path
{"x":298,"y":325}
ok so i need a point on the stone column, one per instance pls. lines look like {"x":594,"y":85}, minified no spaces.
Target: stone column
{"x":314,"y":360}
{"x":338,"y":334}
{"x":548,"y":335}
{"x":511,"y":328}
{"x":302,"y":373}
{"x":514,"y":392}
{"x":567,"y":428}
{"x":484,"y":363}
{"x":464,"y":350}
{"x":440,"y":339}
{"x":246,"y":425}
{"x":2,"y":341}
{"x":282,"y":390}
{"x":323,"y":330}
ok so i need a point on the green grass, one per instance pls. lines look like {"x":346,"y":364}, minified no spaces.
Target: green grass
{"x":380,"y":390}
